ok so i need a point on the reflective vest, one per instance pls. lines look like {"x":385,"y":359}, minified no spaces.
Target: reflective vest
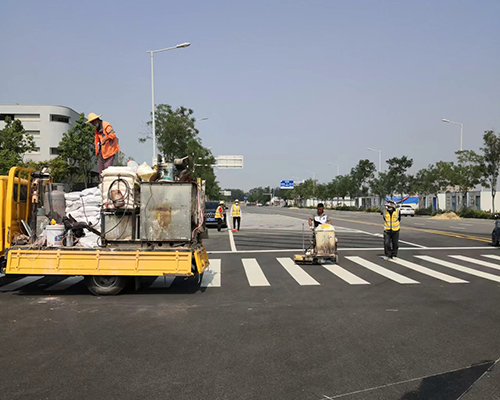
{"x":219,"y":213}
{"x":391,"y":221}
{"x":236,"y":211}
{"x":110,"y":148}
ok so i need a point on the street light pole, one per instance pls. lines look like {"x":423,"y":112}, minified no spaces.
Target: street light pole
{"x":179,"y":46}
{"x":338,"y":167}
{"x":379,"y":159}
{"x":461,"y":130}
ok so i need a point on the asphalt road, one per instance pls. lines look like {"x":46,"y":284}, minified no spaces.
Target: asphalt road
{"x":259,"y":327}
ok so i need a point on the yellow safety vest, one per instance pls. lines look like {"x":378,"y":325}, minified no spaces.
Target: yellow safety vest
{"x":391,"y":222}
{"x":219,"y":214}
{"x":236,"y":211}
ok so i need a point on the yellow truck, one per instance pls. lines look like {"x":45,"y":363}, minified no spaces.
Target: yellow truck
{"x":164,"y":238}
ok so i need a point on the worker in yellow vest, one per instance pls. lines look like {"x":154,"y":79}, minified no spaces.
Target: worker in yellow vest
{"x":219,"y":215}
{"x":236,"y":214}
{"x":392,"y":219}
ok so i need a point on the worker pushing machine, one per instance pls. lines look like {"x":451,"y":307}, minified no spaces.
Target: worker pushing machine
{"x":219,"y":215}
{"x":236,"y":214}
{"x":392,"y":219}
{"x":105,"y":142}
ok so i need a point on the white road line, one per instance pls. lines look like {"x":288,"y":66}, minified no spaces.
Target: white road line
{"x":457,"y":227}
{"x":162,"y":282}
{"x":428,"y":271}
{"x":382,"y":271}
{"x":457,"y":267}
{"x":413,"y":244}
{"x":254,"y":272}
{"x":345,"y":275}
{"x":492,"y":256}
{"x":416,"y":223}
{"x":20,"y":283}
{"x":297,"y":273}
{"x":66,"y":283}
{"x":231,"y":237}
{"x":212,"y":276}
{"x":381,"y":235}
{"x":478,"y":262}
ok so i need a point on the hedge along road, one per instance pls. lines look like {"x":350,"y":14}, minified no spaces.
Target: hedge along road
{"x":421,"y":230}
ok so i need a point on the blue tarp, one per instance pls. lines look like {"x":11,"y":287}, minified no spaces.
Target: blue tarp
{"x":406,"y":199}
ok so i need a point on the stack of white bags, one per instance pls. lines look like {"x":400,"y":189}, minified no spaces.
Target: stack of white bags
{"x":85,"y":206}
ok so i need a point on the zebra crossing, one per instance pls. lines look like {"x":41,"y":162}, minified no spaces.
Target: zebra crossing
{"x":352,"y":270}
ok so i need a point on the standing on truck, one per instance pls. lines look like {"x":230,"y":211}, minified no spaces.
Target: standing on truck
{"x":105,"y":142}
{"x":236,"y":214}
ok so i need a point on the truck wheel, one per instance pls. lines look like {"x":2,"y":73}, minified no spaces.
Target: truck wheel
{"x":101,"y":285}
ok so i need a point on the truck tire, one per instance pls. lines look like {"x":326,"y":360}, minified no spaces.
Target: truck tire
{"x":100,"y":285}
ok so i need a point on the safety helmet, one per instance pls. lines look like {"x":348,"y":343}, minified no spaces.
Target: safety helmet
{"x":93,"y":117}
{"x":390,"y":203}
{"x":221,"y":202}
{"x":236,"y":201}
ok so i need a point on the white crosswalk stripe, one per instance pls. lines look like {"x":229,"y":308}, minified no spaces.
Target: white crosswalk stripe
{"x":345,"y":275}
{"x":254,"y":272}
{"x":297,"y":273}
{"x":20,"y":283}
{"x":491,"y":256}
{"x":428,"y":271}
{"x":478,"y":262}
{"x":212,"y":275}
{"x":382,"y":271}
{"x":162,"y":282}
{"x":457,"y":267}
{"x":65,"y":283}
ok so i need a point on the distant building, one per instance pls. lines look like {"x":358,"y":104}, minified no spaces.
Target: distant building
{"x":46,"y":124}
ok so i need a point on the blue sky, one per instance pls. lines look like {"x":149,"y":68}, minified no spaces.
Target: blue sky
{"x":290,"y":85}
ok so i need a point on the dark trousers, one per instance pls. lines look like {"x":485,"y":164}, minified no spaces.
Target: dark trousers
{"x":236,"y":220}
{"x":219,"y":224}
{"x":391,"y":243}
{"x":103,"y":163}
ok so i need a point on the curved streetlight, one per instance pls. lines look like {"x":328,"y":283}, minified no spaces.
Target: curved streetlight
{"x":152,"y":52}
{"x":338,"y":167}
{"x":379,"y":158}
{"x":461,"y":130}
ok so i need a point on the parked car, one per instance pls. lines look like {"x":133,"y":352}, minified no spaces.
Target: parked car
{"x":210,"y":208}
{"x":406,"y":209}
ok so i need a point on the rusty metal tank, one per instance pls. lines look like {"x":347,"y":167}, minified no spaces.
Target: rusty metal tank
{"x":169,"y":211}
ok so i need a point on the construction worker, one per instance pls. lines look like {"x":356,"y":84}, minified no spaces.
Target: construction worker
{"x":320,"y":217}
{"x":392,"y":219}
{"x":236,"y":214}
{"x":105,"y":142}
{"x":219,"y":215}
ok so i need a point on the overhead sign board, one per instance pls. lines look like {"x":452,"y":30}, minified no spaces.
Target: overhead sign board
{"x":286,"y":185}
{"x":226,"y":193}
{"x":230,"y":162}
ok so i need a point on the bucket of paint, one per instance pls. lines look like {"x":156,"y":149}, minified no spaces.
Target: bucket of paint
{"x":54,"y":234}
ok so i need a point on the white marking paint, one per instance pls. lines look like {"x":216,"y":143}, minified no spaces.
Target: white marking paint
{"x":254,"y":272}
{"x":345,"y":275}
{"x":382,"y":271}
{"x":297,"y":273}
{"x":457,"y":267}
{"x":231,"y":237}
{"x":492,"y":256}
{"x":457,"y":227}
{"x":66,"y":283}
{"x":20,"y":283}
{"x":478,"y":262}
{"x":212,"y":276}
{"x":162,"y":282}
{"x":428,"y":271}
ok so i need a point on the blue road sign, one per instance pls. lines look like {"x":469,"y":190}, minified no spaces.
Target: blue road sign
{"x":245,"y":198}
{"x":286,"y":185}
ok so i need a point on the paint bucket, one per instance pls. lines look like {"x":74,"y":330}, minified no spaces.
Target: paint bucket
{"x":54,"y":234}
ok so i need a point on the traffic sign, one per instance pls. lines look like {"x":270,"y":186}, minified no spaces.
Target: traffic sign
{"x":286,"y":185}
{"x":245,"y":198}
{"x":230,"y":162}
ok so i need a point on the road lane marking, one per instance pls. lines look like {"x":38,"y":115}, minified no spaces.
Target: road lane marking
{"x":381,"y":235}
{"x":345,"y":275}
{"x":478,"y":262}
{"x":231,"y":237}
{"x":428,"y":271}
{"x":492,"y":256}
{"x":297,"y":273}
{"x":162,"y":282}
{"x":416,"y":223}
{"x":457,"y":227}
{"x":254,"y":273}
{"x":20,"y":283}
{"x":212,"y":275}
{"x":457,"y":267}
{"x":382,"y":271}
{"x":66,"y":283}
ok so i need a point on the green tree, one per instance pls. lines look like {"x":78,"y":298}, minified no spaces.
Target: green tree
{"x":361,"y":175}
{"x":467,"y":172}
{"x":58,"y":168}
{"x":397,"y":177}
{"x":14,"y":143}
{"x":442,"y":175}
{"x":381,"y":186}
{"x":177,"y":136}
{"x":76,"y":148}
{"x":491,"y":166}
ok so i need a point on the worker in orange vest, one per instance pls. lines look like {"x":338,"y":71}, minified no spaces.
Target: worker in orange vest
{"x":105,"y":142}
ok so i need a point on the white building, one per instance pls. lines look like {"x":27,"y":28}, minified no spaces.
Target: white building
{"x":46,"y":124}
